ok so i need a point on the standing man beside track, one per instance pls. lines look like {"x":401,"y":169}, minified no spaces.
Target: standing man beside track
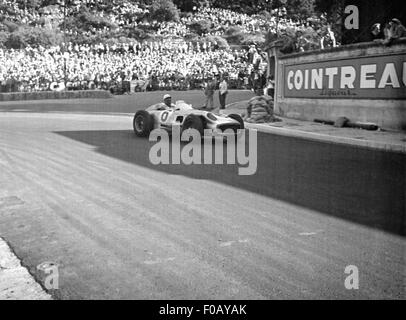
{"x":223,"y":91}
{"x":209,"y":93}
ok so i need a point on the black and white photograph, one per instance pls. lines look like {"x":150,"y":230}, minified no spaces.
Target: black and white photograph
{"x":210,"y":153}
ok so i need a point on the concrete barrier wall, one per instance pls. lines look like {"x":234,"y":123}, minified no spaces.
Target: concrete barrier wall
{"x":363,"y":82}
{"x":43,"y":95}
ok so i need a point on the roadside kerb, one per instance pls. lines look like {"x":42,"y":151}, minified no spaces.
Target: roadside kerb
{"x":376,"y":145}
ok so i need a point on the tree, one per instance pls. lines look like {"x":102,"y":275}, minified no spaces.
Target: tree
{"x":188,"y":5}
{"x":234,"y":35}
{"x":200,"y":27}
{"x":25,"y":35}
{"x":300,"y":9}
{"x":164,"y":10}
{"x":3,"y":38}
{"x":85,"y":20}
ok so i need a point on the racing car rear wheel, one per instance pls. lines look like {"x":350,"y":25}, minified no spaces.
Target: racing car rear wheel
{"x":238,"y":118}
{"x":193,"y":122}
{"x":142,"y":123}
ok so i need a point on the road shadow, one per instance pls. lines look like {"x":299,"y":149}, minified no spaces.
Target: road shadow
{"x":357,"y":184}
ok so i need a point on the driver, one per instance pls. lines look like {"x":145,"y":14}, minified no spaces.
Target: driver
{"x":168,"y":102}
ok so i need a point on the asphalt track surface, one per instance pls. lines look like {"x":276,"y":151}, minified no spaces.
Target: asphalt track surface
{"x":79,"y":190}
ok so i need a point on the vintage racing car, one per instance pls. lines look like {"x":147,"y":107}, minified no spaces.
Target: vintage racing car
{"x":183,"y":114}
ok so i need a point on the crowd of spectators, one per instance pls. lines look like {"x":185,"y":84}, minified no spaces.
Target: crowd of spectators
{"x":18,"y":12}
{"x":169,"y":63}
{"x":146,"y":66}
{"x":12,"y":11}
{"x":392,"y":30}
{"x":222,"y":19}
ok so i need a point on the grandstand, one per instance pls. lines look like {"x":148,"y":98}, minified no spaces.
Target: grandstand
{"x":124,"y":45}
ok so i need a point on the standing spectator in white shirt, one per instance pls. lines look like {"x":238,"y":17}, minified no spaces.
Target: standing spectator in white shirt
{"x":223,"y":91}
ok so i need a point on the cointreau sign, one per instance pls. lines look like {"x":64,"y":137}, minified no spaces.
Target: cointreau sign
{"x":373,"y":77}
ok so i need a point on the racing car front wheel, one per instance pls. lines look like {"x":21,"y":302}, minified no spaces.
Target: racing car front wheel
{"x":142,"y":123}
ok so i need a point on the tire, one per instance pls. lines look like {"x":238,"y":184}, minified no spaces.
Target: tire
{"x":143,"y":123}
{"x":193,"y":122}
{"x":238,"y":118}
